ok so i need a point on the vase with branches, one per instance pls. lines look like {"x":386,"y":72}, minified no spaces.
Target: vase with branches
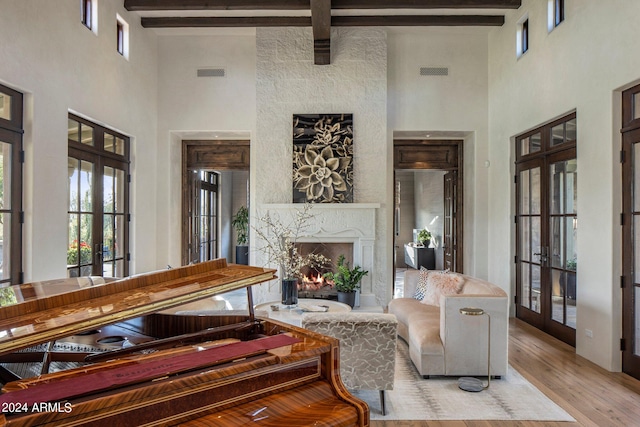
{"x":278,"y":238}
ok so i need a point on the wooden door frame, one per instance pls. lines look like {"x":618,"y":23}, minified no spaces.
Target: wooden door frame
{"x":212,"y":155}
{"x":547,"y":154}
{"x":434,"y":154}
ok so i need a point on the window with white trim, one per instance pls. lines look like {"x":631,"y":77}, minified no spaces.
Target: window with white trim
{"x":122,"y":36}
{"x":89,"y":14}
{"x":522,"y":36}
{"x":555,"y":13}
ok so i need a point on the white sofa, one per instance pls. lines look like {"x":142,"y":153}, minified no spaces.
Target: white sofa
{"x":442,"y":341}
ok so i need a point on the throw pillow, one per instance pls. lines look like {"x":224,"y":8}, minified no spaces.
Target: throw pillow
{"x":422,"y":284}
{"x":443,"y":283}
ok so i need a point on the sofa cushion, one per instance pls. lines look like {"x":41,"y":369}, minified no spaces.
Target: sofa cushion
{"x":424,"y":333}
{"x":421,"y":288}
{"x":441,"y":284}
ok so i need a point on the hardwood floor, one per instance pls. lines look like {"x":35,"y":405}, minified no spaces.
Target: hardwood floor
{"x":592,"y":395}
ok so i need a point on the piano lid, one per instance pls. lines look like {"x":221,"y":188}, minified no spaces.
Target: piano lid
{"x":41,"y":315}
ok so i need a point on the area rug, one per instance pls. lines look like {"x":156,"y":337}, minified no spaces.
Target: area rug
{"x":439,"y":398}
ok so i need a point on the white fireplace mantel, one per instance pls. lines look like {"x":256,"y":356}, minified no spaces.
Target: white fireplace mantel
{"x":337,"y":222}
{"x":332,"y":220}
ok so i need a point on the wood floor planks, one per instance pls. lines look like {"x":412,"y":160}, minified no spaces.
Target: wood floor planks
{"x":592,"y":395}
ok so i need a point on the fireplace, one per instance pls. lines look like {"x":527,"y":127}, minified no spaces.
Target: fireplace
{"x":352,"y":224}
{"x":313,"y":285}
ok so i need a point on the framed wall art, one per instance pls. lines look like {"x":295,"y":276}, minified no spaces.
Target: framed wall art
{"x":323,"y":158}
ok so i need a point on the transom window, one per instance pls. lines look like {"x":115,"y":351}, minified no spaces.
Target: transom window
{"x":89,"y":14}
{"x":122,"y":36}
{"x":98,"y":170}
{"x":555,"y":13}
{"x":86,"y":13}
{"x":522,"y":36}
{"x":550,"y":138}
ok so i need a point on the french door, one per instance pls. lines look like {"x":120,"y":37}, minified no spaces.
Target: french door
{"x":546,"y":229}
{"x":203,"y":216}
{"x":630,"y":157}
{"x":98,"y":205}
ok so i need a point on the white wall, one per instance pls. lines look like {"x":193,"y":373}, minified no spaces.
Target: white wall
{"x":578,"y":66}
{"x":62,"y":66}
{"x":447,"y":106}
{"x":191,"y":107}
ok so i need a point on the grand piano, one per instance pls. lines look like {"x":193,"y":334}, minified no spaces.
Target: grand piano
{"x":120,"y":354}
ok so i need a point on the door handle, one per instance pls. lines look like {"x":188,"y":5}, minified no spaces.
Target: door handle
{"x":544,"y":258}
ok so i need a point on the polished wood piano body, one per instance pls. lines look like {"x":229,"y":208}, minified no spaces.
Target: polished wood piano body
{"x":214,"y":369}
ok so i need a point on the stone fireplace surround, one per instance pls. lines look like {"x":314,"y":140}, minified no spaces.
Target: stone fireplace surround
{"x":340,"y":223}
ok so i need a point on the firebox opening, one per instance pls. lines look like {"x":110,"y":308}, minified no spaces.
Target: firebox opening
{"x":313,"y":285}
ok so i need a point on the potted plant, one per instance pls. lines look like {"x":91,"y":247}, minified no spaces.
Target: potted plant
{"x":424,"y":237}
{"x":572,"y":266}
{"x":346,"y":280}
{"x":240,"y":223}
{"x":278,"y":243}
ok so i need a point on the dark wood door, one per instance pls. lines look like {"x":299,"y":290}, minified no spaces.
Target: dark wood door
{"x":449,"y":244}
{"x":547,"y":227}
{"x":630,"y":159}
{"x":631,"y":253}
{"x":546,"y":230}
{"x":531,"y":244}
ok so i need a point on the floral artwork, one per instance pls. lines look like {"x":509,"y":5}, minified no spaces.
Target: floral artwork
{"x":323,"y":158}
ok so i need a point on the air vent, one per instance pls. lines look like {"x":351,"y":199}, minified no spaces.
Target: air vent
{"x":434,"y":71}
{"x":211,"y":72}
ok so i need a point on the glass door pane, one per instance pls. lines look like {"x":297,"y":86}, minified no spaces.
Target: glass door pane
{"x":530,"y":251}
{"x":562,"y":237}
{"x":5,"y":211}
{"x":80,"y":245}
{"x":5,"y":106}
{"x":114,"y":212}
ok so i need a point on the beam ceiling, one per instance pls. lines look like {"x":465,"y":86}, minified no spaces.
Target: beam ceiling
{"x":321,"y":19}
{"x":142,"y":5}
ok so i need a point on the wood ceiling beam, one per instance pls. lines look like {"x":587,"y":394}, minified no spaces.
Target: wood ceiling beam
{"x":426,"y":4}
{"x":210,"y":21}
{"x":336,"y":21}
{"x":418,"y":21}
{"x":321,"y":24}
{"x":145,"y":5}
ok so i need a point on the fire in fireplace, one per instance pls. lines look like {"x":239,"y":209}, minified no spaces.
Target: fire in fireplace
{"x":313,"y":284}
